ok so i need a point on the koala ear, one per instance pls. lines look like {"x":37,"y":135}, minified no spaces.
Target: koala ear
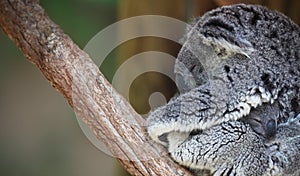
{"x":225,"y":49}
{"x":201,"y":55}
{"x":222,"y":30}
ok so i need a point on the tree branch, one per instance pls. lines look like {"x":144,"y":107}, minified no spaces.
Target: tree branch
{"x":73,"y":73}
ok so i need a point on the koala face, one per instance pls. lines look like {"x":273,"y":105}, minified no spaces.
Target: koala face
{"x":263,"y":120}
{"x":238,"y":74}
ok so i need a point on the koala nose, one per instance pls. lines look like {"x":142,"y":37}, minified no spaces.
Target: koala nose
{"x":270,"y":128}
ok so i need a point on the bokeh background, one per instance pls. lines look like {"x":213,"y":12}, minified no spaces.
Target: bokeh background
{"x":39,"y":133}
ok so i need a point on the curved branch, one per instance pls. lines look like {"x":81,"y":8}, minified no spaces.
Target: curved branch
{"x":73,"y":73}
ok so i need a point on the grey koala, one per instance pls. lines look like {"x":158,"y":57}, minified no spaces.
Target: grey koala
{"x":238,"y":73}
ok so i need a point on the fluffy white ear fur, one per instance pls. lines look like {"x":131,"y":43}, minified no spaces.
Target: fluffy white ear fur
{"x":226,"y":49}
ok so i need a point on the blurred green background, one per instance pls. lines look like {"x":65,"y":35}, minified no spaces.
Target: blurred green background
{"x":39,"y":133}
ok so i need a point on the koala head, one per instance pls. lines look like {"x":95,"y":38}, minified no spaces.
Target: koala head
{"x":248,"y":53}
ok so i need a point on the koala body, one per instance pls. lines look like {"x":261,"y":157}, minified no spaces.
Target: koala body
{"x":238,"y":73}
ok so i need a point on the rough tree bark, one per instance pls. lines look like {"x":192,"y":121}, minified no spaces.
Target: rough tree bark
{"x":73,"y":73}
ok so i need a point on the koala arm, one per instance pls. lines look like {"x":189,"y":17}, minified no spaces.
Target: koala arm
{"x":187,"y":112}
{"x":200,"y":108}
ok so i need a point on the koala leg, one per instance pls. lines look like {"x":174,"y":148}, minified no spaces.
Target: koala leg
{"x":229,"y":148}
{"x":234,"y":148}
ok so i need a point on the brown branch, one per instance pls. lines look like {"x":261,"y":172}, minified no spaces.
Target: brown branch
{"x":73,"y":73}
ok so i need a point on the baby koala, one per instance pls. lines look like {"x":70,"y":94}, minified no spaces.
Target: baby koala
{"x":238,"y":74}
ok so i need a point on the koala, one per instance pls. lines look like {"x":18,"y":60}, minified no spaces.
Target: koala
{"x":238,"y":110}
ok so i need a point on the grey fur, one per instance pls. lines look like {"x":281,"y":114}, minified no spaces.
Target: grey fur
{"x":239,"y":76}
